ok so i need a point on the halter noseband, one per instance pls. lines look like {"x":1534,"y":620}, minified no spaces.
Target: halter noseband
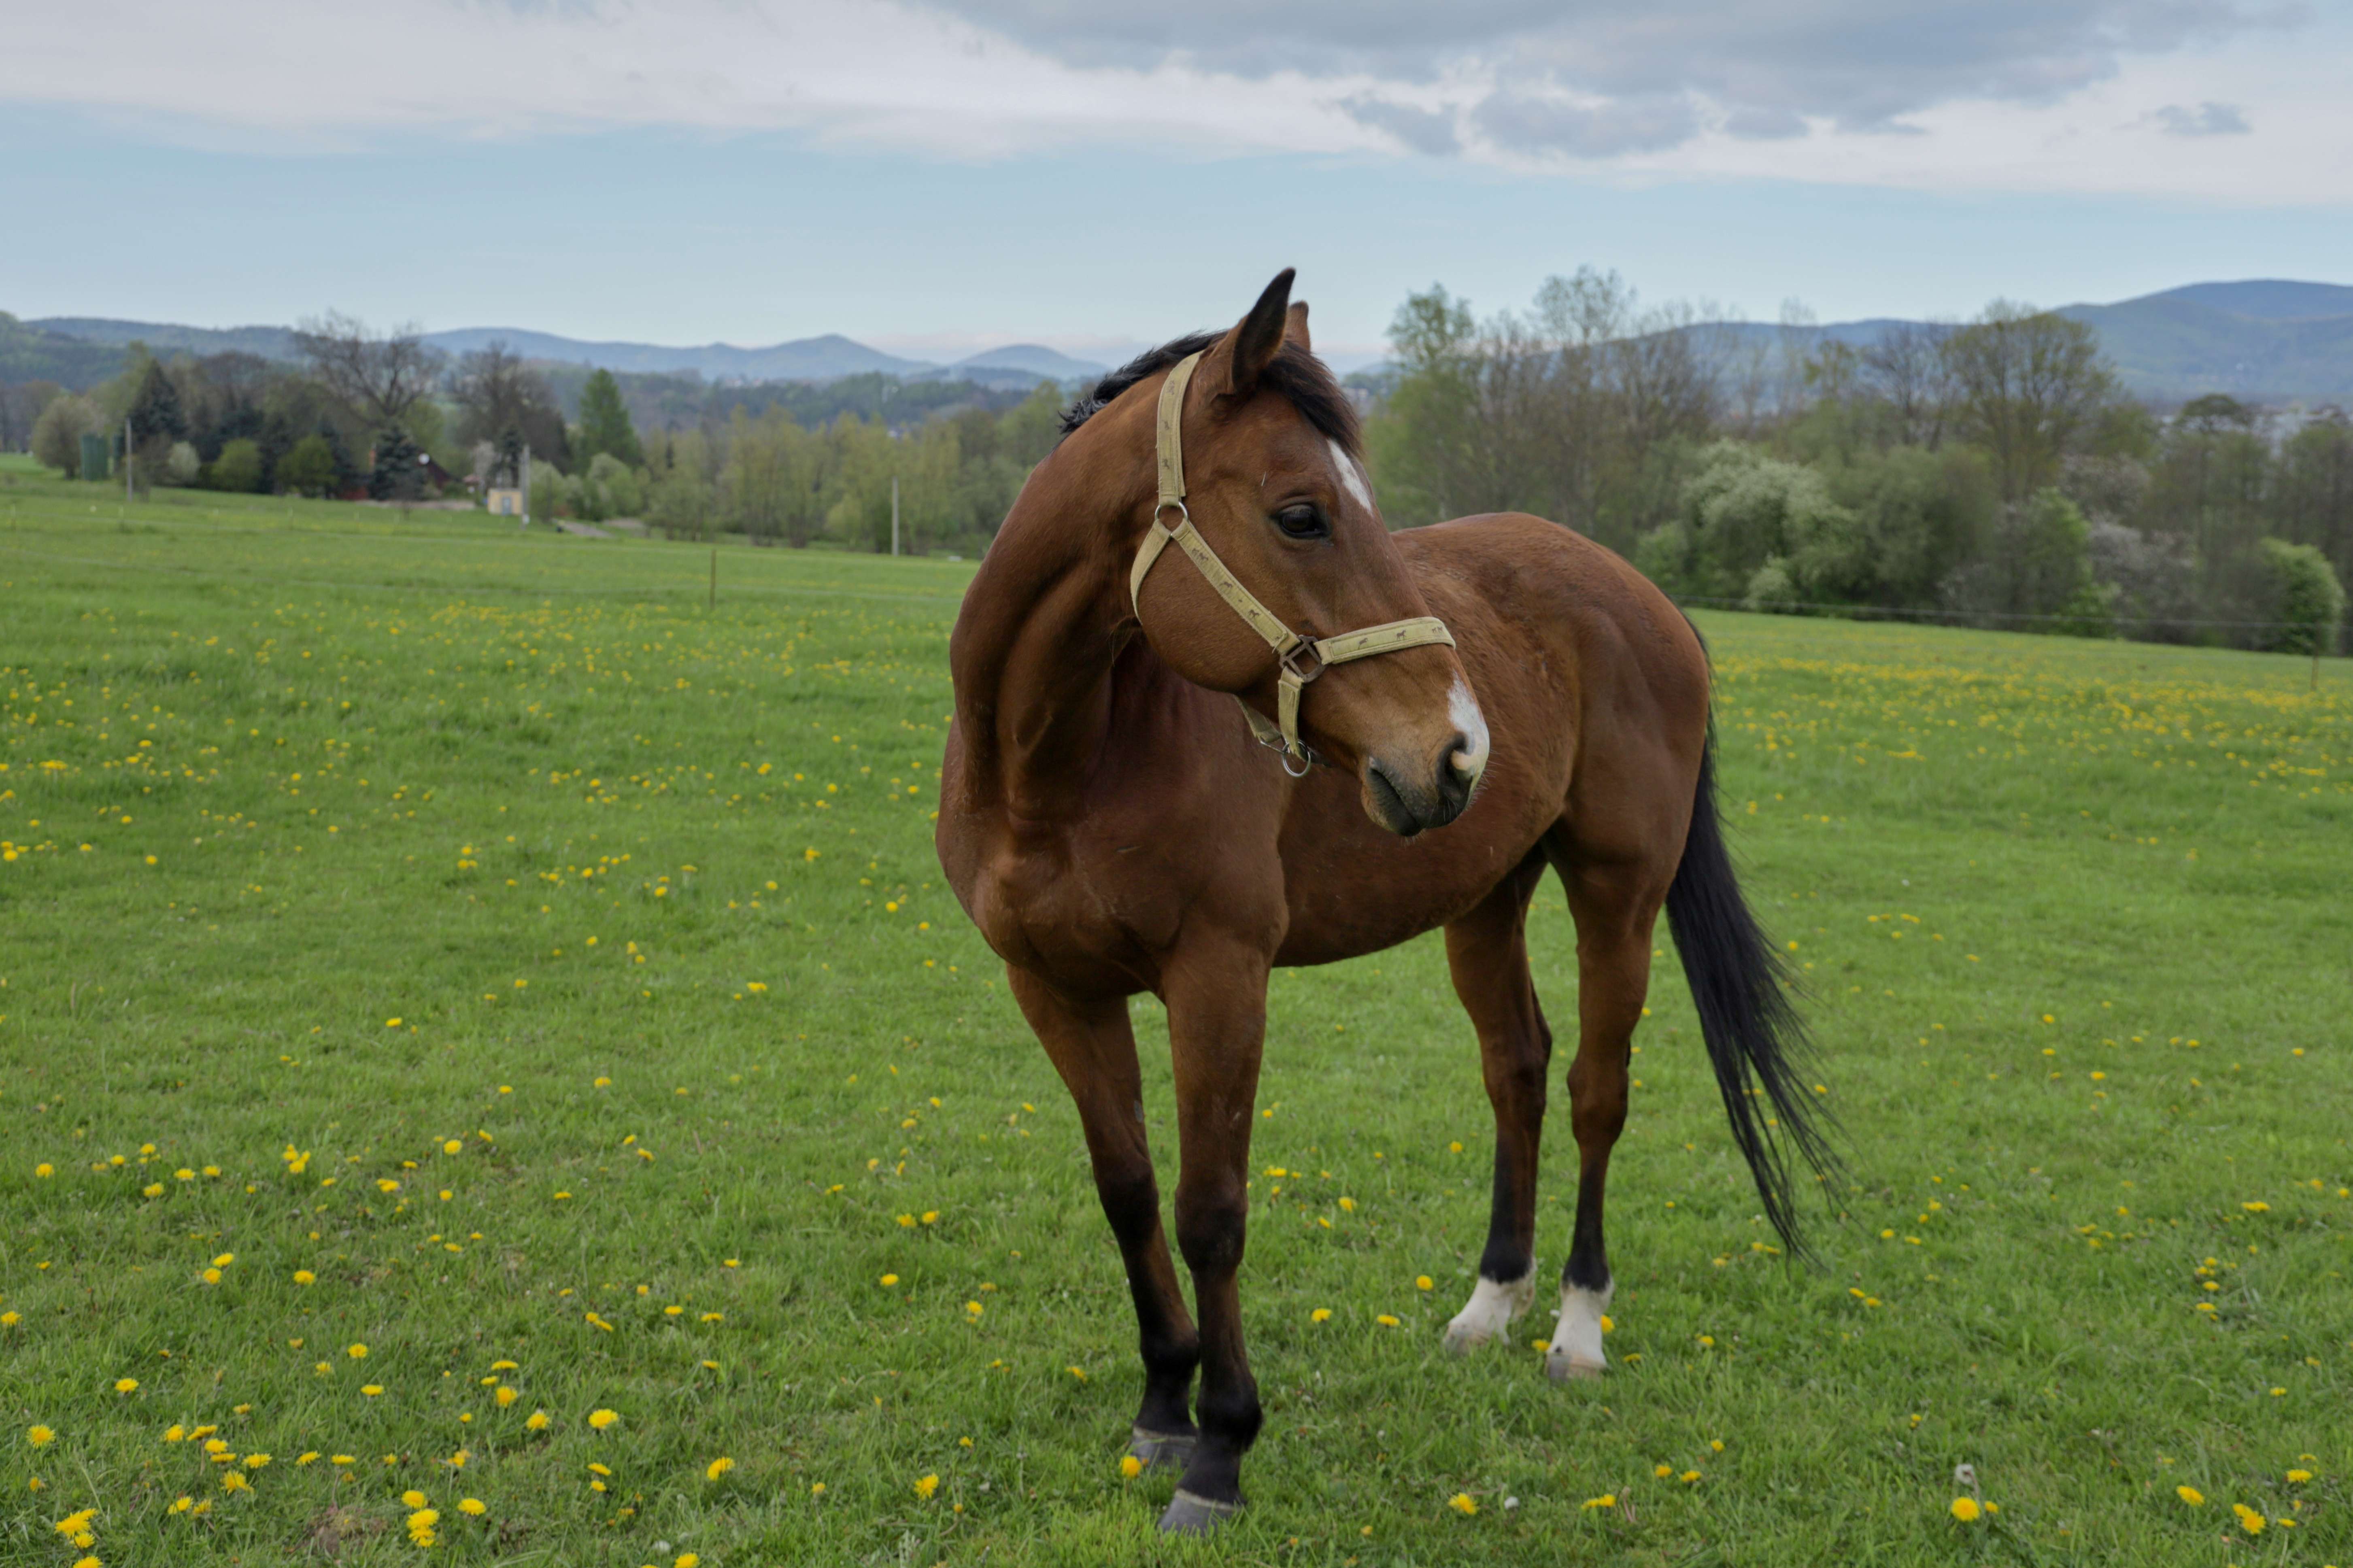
{"x":1298,"y":659}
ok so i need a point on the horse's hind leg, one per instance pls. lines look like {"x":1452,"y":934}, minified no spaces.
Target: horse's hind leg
{"x":1093,"y":1047}
{"x":1616,"y":906}
{"x":1487,"y":953}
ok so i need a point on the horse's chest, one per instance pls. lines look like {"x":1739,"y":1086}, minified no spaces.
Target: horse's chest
{"x":1074,"y":910}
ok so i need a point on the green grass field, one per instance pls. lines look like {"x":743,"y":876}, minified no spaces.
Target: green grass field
{"x":471,"y":948}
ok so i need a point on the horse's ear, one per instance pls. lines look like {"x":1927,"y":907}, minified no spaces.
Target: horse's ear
{"x":1254,"y":344}
{"x":1294,"y":326}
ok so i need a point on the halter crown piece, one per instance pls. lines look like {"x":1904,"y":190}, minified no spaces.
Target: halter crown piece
{"x":1298,"y":659}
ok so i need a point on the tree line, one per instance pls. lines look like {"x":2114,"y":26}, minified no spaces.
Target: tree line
{"x":1989,"y":471}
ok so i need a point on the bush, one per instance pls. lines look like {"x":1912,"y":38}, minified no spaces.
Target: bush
{"x":58,"y":432}
{"x":309,"y":466}
{"x":238,"y":466}
{"x":2306,"y":597}
{"x":182,"y":465}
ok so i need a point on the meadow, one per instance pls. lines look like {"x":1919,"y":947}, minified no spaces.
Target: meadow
{"x":489,"y":1072}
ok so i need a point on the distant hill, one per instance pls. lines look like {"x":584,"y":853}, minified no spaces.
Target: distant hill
{"x":269,"y":343}
{"x":2264,"y":340}
{"x":30,"y":352}
{"x":827,"y":358}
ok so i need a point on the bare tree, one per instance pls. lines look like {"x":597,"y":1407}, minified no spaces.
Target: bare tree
{"x":378,"y":376}
{"x":501,"y":398}
{"x":2029,"y":386}
{"x":1905,"y":366}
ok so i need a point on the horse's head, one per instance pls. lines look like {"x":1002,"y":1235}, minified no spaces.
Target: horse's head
{"x":1273,"y":483}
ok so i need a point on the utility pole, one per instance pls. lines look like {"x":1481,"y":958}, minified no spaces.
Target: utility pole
{"x":894,"y":514}
{"x":526,"y":486}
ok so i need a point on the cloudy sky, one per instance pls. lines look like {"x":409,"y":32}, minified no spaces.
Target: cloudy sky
{"x":944,"y":175}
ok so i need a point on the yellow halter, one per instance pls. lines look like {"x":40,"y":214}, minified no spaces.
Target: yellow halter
{"x":1293,"y":653}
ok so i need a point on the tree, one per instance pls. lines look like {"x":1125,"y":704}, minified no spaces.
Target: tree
{"x":605,"y":425}
{"x":398,"y":473}
{"x":309,"y":466}
{"x":58,"y":432}
{"x":505,"y":401}
{"x":238,"y":466}
{"x":1905,"y":367}
{"x":2028,"y":387}
{"x":2306,"y":598}
{"x":2313,"y":487}
{"x":377,"y":377}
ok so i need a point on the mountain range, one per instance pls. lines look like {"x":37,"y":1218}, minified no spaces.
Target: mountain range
{"x":2262,"y":340}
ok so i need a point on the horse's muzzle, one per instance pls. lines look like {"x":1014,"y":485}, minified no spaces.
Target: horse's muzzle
{"x":1411,"y":800}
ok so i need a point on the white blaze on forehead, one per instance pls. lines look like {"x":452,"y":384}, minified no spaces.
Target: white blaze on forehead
{"x":1472,"y":724}
{"x":1352,"y":478}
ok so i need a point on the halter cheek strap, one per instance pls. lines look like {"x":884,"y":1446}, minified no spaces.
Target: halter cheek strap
{"x":1298,"y":659}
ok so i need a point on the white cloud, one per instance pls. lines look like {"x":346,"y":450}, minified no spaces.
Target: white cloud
{"x":2071,"y":96}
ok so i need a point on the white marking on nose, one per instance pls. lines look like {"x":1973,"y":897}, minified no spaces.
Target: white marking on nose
{"x":1472,"y":724}
{"x":1352,"y":478}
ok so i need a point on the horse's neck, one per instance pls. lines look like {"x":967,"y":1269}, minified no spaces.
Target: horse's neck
{"x":1045,"y":620}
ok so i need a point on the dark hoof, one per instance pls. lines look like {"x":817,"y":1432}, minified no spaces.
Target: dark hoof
{"x":1190,"y":1515}
{"x":1161,"y":1450}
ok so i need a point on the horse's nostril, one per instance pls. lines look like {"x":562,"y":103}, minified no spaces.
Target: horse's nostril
{"x":1460,"y":758}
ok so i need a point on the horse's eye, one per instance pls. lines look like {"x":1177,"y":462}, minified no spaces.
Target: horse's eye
{"x":1303,"y":521}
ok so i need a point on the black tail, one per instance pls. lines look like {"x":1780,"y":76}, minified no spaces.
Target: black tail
{"x":1740,"y":985}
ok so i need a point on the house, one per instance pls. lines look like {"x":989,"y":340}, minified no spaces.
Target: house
{"x":504,"y":501}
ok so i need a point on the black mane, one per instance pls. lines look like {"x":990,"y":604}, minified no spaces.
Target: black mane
{"x":1294,"y":373}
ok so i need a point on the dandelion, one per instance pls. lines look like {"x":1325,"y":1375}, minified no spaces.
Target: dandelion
{"x":926,"y":1486}
{"x":472,"y":1507}
{"x":1386,"y":1320}
{"x":357,"y":1353}
{"x":1130,"y":1466}
{"x":1464,"y":1503}
{"x":1320,"y":1315}
{"x":600,"y":1419}
{"x":1966,"y":1509}
{"x":2294,"y":1478}
{"x":39,"y":1437}
{"x":2191,"y":1496}
{"x":2249,"y":1519}
{"x":1424,"y":1282}
{"x":370,"y":1389}
{"x":1607,"y":1500}
{"x":234,"y":1481}
{"x":717,"y":1467}
{"x":536,"y":1421}
{"x":304,"y":1277}
{"x":412,"y":1499}
{"x":889,"y":1280}
{"x":126,"y":1385}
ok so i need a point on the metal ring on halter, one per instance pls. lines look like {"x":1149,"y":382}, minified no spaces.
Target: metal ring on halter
{"x":1182,"y":517}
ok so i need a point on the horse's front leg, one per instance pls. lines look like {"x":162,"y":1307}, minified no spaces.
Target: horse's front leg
{"x":1217,"y":1023}
{"x":1093,"y":1047}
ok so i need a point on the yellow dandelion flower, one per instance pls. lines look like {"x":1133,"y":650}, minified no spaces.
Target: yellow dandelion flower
{"x":536,"y":1421}
{"x":1966,"y":1509}
{"x":1130,"y":1466}
{"x":1320,"y":1315}
{"x":2294,"y":1478}
{"x":2249,"y":1519}
{"x":600,"y":1419}
{"x":1424,"y":1282}
{"x":234,"y":1481}
{"x":505,"y":1396}
{"x":39,"y":1437}
{"x":1464,"y":1503}
{"x":1607,"y":1500}
{"x":926,"y":1486}
{"x":126,"y":1385}
{"x":2191,"y":1496}
{"x":473,"y":1507}
{"x":1386,"y":1320}
{"x":357,"y":1353}
{"x":717,"y":1467}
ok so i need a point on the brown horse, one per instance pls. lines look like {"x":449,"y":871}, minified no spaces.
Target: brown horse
{"x":1112,"y":826}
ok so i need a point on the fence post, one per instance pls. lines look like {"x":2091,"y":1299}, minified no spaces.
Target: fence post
{"x":714,"y":578}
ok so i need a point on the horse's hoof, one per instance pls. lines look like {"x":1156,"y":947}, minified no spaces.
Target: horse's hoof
{"x":1564,"y":1368}
{"x":1161,"y":1450}
{"x":1462,"y":1340}
{"x":1190,"y":1515}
